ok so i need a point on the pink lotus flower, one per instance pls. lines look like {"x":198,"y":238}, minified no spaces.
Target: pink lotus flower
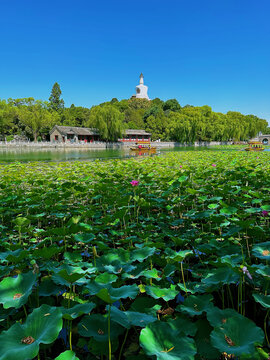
{"x":246,"y":272}
{"x":134,"y":182}
{"x":265,"y":213}
{"x":214,"y":165}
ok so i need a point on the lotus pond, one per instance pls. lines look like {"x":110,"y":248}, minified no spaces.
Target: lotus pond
{"x":157,"y":258}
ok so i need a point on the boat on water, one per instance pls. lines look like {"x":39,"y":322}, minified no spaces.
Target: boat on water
{"x":143,"y":147}
{"x":255,"y":146}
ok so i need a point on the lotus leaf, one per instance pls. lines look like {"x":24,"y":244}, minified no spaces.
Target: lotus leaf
{"x":159,"y":340}
{"x":165,"y":293}
{"x":67,"y":355}
{"x":96,"y":326}
{"x":131,"y":318}
{"x":196,"y":305}
{"x":77,"y":310}
{"x":142,"y":254}
{"x":202,"y":340}
{"x":42,"y":326}
{"x":262,"y":250}
{"x":264,"y":300}
{"x":14,"y":292}
{"x":110,"y":294}
{"x":105,"y":278}
{"x":222,"y":275}
{"x":229,"y":337}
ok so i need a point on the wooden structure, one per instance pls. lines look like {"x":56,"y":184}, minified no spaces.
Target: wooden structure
{"x":255,"y":146}
{"x":143,"y":147}
{"x":133,"y":135}
{"x":74,"y":134}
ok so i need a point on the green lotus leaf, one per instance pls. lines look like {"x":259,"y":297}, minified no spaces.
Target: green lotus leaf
{"x":182,"y":325}
{"x":146,"y":305}
{"x":13,"y":256}
{"x":202,"y":340}
{"x":105,"y":278}
{"x":84,"y":238}
{"x":142,"y":254}
{"x":14,"y":292}
{"x":217,"y":317}
{"x":165,"y":293}
{"x":222,"y":275}
{"x":263,"y":270}
{"x":42,"y":326}
{"x":100,"y":348}
{"x":177,"y":255}
{"x":47,"y":287}
{"x":228,"y":210}
{"x":159,"y":340}
{"x":232,"y":261}
{"x":96,"y":326}
{"x":237,"y":336}
{"x":192,"y":287}
{"x":130,"y":318}
{"x":182,"y":178}
{"x":196,"y":305}
{"x":67,"y":275}
{"x":118,"y":267}
{"x":67,"y":355}
{"x":262,"y":250}
{"x":110,"y":294}
{"x":266,"y":207}
{"x":47,"y":252}
{"x":264,"y":300}
{"x":77,"y":310}
{"x":213,"y":206}
{"x":21,"y":221}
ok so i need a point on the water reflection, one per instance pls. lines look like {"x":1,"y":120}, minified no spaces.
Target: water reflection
{"x":67,"y":154}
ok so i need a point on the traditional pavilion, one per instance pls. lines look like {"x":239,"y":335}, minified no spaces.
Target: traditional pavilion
{"x":74,"y":134}
{"x":141,"y":90}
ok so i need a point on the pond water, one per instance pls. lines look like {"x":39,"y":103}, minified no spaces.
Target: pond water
{"x":27,"y":154}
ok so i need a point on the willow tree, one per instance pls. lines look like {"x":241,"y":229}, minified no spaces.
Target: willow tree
{"x":108,"y":120}
{"x":36,"y":117}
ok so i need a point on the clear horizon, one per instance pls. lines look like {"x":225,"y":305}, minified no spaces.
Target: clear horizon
{"x":215,"y":54}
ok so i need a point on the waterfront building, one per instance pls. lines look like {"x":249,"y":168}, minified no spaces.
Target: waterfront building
{"x":73,"y":134}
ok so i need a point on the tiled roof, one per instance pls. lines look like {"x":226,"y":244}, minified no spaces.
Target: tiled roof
{"x":64,"y":130}
{"x":76,"y":130}
{"x":136,"y":132}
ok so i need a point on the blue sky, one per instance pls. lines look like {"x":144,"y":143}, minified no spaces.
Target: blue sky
{"x":214,"y":52}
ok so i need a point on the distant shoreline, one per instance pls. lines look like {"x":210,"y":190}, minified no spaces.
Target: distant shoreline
{"x":103,"y":145}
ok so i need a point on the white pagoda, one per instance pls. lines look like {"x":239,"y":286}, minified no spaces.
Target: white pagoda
{"x":141,"y":90}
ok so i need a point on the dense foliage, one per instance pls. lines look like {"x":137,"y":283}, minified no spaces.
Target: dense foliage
{"x":160,"y":258}
{"x":165,"y":120}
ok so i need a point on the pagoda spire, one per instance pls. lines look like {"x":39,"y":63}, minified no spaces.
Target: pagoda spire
{"x":141,"y":79}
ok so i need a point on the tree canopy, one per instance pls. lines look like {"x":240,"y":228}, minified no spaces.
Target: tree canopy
{"x":167,"y":120}
{"x":55,"y":102}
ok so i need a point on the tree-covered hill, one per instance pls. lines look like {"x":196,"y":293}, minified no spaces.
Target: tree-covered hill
{"x":166,"y":120}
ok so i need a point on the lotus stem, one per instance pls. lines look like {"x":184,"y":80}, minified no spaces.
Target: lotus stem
{"x":123,"y":344}
{"x":25,"y":312}
{"x":109,"y":333}
{"x":265,"y":327}
{"x":182,"y":271}
{"x":230,"y":296}
{"x":70,"y":335}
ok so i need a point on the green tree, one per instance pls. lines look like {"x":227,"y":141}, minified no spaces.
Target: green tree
{"x":37,"y":117}
{"x":108,"y":120}
{"x":7,"y":113}
{"x":172,"y":105}
{"x":55,"y":102}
